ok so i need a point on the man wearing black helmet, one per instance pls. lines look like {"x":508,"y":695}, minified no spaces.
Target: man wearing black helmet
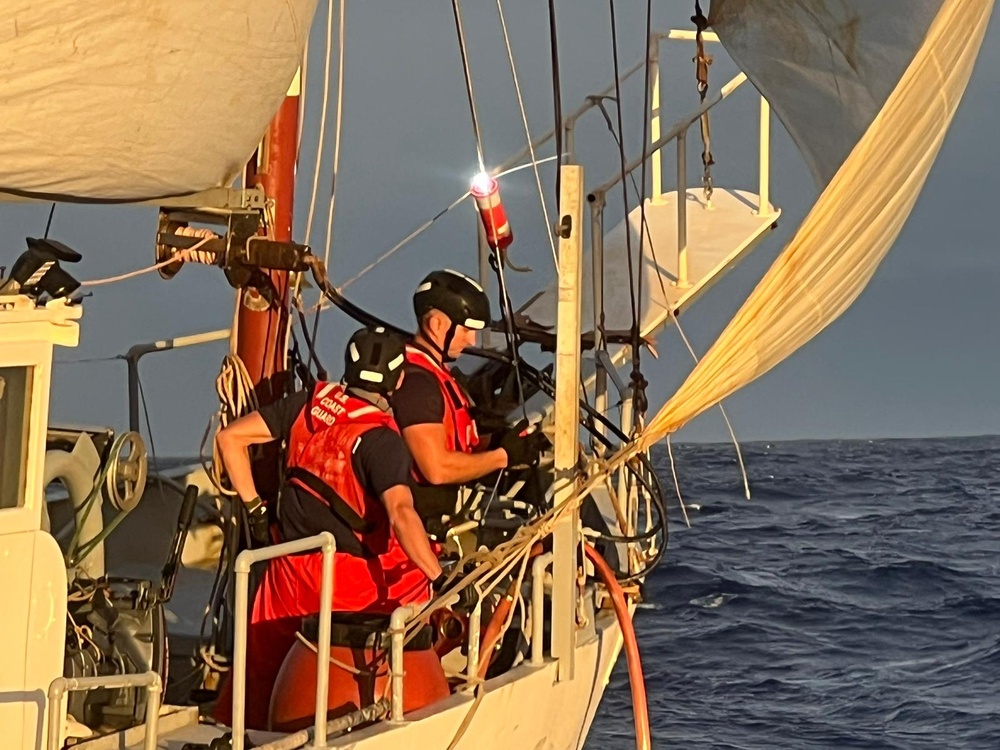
{"x":431,"y":407}
{"x":347,"y":472}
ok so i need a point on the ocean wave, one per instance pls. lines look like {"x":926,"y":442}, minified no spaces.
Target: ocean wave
{"x":854,"y":602}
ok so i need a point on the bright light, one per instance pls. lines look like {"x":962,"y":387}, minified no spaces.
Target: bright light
{"x":483,"y":184}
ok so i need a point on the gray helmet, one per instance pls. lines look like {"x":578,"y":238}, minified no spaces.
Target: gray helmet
{"x":373,"y":360}
{"x":456,"y":295}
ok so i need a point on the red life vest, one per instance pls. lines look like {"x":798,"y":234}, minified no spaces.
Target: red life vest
{"x":459,"y":426}
{"x":322,"y":441}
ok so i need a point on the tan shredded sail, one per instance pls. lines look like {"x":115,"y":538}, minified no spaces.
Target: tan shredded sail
{"x":139,"y":99}
{"x":850,"y":229}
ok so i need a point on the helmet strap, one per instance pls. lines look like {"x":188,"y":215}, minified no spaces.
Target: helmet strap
{"x":372,"y":397}
{"x":448,"y":338}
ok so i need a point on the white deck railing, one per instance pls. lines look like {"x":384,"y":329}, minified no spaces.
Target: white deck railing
{"x":323,"y":541}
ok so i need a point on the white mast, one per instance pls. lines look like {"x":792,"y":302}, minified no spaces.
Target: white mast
{"x":567,"y":415}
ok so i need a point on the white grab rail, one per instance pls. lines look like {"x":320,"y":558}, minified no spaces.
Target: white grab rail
{"x":323,"y":541}
{"x":62,"y":685}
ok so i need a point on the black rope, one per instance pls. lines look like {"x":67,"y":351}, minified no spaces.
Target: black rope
{"x":362,"y":316}
{"x":510,"y":329}
{"x":321,"y":372}
{"x":638,"y":382}
{"x":556,"y":96}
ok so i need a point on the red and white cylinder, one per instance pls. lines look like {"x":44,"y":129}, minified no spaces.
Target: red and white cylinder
{"x":486,"y":192}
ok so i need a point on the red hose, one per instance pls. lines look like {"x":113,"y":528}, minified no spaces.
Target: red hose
{"x":639,"y":709}
{"x":494,"y":630}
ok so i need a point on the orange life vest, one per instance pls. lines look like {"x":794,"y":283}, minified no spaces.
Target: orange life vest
{"x":459,"y":426}
{"x":320,"y":447}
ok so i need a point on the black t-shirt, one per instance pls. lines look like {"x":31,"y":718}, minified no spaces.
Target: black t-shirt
{"x":419,"y":400}
{"x":380,"y":461}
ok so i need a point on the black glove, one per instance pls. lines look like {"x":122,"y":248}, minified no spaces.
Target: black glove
{"x":466,"y":595}
{"x":523,"y":447}
{"x":257,"y":521}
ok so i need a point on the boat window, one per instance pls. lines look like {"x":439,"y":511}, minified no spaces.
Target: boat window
{"x":15,"y":403}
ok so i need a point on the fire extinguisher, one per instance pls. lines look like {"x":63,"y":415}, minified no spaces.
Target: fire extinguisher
{"x":486,"y":192}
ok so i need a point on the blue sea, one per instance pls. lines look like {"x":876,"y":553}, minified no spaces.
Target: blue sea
{"x":853,"y":602}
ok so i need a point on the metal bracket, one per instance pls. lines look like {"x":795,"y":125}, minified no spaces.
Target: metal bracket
{"x":253,"y":199}
{"x":241,"y":251}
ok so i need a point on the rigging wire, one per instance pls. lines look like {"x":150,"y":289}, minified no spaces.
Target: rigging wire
{"x":556,"y":95}
{"x":468,"y":83}
{"x":676,"y":314}
{"x":190,"y":253}
{"x":702,"y":62}
{"x":496,"y":261}
{"x":338,"y":128}
{"x":303,"y":100}
{"x":336,"y":154}
{"x":527,"y":133}
{"x":322,"y":121}
{"x":638,"y":394}
{"x":638,"y":381}
{"x":420,"y":230}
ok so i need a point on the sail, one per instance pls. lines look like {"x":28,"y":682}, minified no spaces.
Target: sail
{"x":132,"y":100}
{"x":857,"y":218}
{"x":826,"y":68}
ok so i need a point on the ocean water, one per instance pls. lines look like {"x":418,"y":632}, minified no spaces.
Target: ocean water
{"x":854,"y":602}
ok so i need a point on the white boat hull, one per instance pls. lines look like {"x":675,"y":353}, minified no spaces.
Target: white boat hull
{"x":527,"y":708}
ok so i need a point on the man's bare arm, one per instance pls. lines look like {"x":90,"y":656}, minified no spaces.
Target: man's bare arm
{"x":442,"y":466}
{"x":234,"y":442}
{"x":410,"y":530}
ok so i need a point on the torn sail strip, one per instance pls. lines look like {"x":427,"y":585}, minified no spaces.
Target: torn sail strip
{"x":124,"y":100}
{"x":857,"y":218}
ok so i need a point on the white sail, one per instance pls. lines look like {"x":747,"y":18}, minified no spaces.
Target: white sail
{"x":131,"y":99}
{"x":857,"y":218}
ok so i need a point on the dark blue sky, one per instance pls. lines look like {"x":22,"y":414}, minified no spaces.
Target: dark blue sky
{"x":915,"y":356}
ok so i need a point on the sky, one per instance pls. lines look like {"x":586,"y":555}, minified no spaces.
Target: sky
{"x":915,"y":356}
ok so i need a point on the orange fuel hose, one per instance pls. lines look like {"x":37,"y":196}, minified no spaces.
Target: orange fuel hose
{"x":639,"y":709}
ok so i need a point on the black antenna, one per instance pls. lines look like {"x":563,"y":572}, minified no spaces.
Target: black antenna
{"x":48,"y":224}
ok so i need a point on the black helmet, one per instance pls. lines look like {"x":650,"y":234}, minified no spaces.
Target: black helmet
{"x":456,"y":295}
{"x":373,"y":360}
